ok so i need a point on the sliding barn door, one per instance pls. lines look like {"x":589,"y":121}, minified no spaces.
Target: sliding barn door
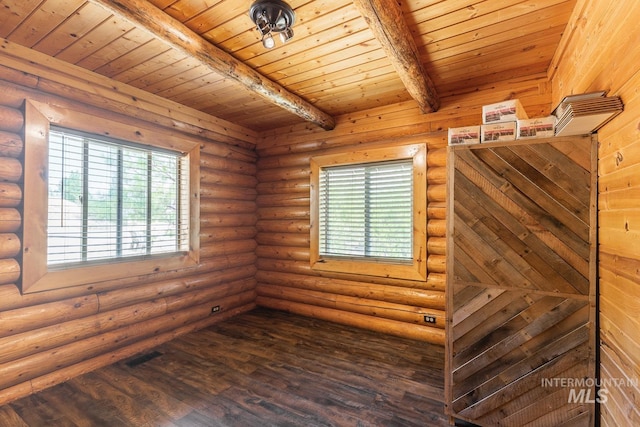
{"x":521,"y":283}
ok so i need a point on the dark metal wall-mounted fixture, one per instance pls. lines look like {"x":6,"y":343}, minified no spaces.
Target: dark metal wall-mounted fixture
{"x":272,"y":17}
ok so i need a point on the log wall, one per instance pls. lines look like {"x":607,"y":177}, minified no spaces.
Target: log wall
{"x":602,"y":53}
{"x":285,"y":279}
{"x":50,"y":336}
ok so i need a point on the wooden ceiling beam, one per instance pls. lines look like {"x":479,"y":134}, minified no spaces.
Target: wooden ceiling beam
{"x":145,"y":15}
{"x":386,"y":21}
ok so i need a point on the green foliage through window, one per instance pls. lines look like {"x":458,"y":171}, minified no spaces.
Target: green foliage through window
{"x":109,"y":199}
{"x":366,"y":210}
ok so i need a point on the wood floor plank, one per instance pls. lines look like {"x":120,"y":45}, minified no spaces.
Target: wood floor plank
{"x":261,"y":368}
{"x":9,"y":417}
{"x":148,"y":394}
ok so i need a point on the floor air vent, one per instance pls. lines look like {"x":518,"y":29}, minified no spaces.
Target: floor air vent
{"x":142,"y":359}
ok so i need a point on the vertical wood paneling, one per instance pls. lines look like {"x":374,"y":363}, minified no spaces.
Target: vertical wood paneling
{"x":50,"y":336}
{"x":609,"y":59}
{"x":285,"y":279}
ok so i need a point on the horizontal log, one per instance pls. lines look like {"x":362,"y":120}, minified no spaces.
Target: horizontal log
{"x":283,"y":252}
{"x":214,"y":162}
{"x":392,"y":327}
{"x":214,"y":147}
{"x":436,"y":210}
{"x":111,"y":300}
{"x":437,"y":158}
{"x":10,"y":169}
{"x":356,"y":132}
{"x":437,"y":193}
{"x":33,"y":341}
{"x":437,"y":245}
{"x":214,"y":191}
{"x":281,"y":214}
{"x":437,"y":263}
{"x":395,"y":294}
{"x":436,"y":175}
{"x":11,"y":119}
{"x":286,"y":266}
{"x":10,"y":195}
{"x":387,"y":310}
{"x":16,"y":100}
{"x":436,"y":281}
{"x":220,"y":177}
{"x":228,"y":248}
{"x":298,"y":270}
{"x":221,"y":234}
{"x":9,"y":273}
{"x":226,"y":206}
{"x":298,"y":240}
{"x":11,"y":298}
{"x":64,"y":374}
{"x":290,"y":147}
{"x":285,"y":187}
{"x":216,"y":294}
{"x":283,"y":174}
{"x":38,"y":316}
{"x":212,"y":268}
{"x":285,"y":161}
{"x":232,"y":302}
{"x":9,"y":245}
{"x":9,"y":394}
{"x":380,"y":280}
{"x":284,"y":200}
{"x":103,"y":97}
{"x":11,"y":144}
{"x":283,"y":226}
{"x":228,"y":220}
{"x":49,"y":361}
{"x":245,"y":261}
{"x":436,"y":227}
{"x":213,"y":271}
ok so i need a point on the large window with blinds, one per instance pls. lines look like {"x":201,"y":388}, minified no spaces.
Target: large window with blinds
{"x":110,"y":199}
{"x":368,"y":212}
{"x":106,"y":201}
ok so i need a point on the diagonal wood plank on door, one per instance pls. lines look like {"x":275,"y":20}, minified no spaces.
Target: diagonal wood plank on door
{"x":520,"y":281}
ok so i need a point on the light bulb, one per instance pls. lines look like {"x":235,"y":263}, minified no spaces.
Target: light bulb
{"x":268,"y":42}
{"x":286,"y":34}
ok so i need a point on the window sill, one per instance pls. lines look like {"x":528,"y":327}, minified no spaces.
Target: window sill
{"x":108,"y":271}
{"x":410,"y":271}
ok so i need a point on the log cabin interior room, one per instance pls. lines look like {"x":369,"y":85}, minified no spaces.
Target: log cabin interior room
{"x":348,"y":213}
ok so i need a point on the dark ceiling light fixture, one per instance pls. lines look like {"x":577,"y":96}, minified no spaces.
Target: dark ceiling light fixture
{"x":272,"y":17}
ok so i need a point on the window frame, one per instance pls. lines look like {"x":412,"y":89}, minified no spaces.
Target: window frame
{"x":414,"y":270}
{"x":36,"y":274}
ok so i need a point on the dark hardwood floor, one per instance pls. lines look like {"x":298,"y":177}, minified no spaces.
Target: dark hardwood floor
{"x":262,"y":368}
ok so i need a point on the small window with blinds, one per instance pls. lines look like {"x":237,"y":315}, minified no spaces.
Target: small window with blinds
{"x":366,"y":211}
{"x":111,"y":200}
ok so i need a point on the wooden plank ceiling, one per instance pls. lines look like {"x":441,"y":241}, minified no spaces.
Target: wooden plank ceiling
{"x":336,"y":63}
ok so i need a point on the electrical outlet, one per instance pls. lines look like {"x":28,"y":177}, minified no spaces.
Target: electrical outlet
{"x":215,"y":309}
{"x":429,"y":319}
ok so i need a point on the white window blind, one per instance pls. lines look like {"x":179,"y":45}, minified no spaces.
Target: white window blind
{"x":110,"y":199}
{"x":366,"y":210}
